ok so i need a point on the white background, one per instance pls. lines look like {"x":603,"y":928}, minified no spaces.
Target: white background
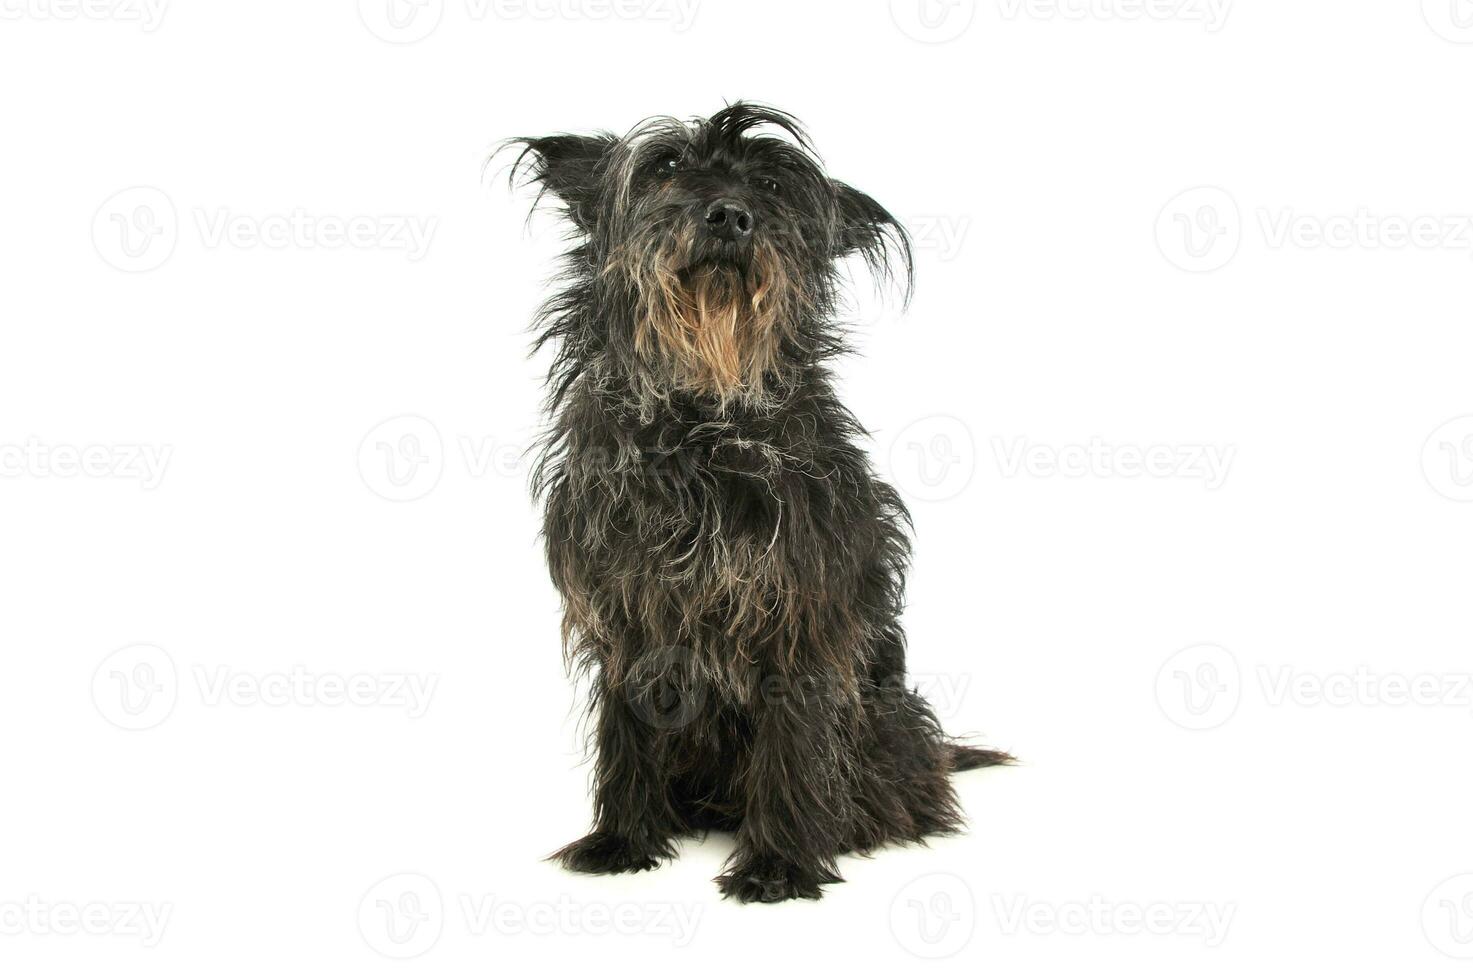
{"x":1074,"y":309}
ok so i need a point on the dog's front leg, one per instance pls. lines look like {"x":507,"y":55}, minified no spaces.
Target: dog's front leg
{"x":634,"y":823}
{"x":797,"y":810}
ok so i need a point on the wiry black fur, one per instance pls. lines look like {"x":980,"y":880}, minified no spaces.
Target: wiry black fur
{"x":732,"y":569}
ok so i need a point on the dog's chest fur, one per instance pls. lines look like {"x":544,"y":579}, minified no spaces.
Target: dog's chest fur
{"x":730,"y":537}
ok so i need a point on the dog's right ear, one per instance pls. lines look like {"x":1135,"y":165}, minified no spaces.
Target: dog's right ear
{"x":565,"y":166}
{"x":866,"y":228}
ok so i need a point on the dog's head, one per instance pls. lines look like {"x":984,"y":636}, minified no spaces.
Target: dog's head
{"x":723,"y":236}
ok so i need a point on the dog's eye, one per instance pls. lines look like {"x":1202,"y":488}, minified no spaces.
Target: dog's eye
{"x":667,"y":165}
{"x":769,"y":185}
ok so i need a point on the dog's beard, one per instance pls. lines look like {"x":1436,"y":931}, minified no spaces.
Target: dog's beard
{"x":713,"y":325}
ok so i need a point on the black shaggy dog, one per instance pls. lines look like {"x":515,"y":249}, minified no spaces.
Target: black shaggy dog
{"x":732,"y":570}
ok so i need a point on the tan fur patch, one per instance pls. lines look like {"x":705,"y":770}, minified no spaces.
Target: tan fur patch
{"x":716,"y":327}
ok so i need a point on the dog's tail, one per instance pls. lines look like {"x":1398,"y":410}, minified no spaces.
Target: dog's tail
{"x":964,"y":757}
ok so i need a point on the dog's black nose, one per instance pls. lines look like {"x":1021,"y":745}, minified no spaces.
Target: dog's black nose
{"x":730,"y":220}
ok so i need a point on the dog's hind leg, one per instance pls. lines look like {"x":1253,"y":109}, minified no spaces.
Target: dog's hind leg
{"x":906,"y":788}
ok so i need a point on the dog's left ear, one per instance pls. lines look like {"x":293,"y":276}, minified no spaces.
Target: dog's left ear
{"x":866,"y":228}
{"x":566,"y":166}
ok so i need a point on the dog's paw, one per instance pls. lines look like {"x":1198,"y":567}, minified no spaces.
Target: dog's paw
{"x":771,"y":879}
{"x":602,"y":853}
